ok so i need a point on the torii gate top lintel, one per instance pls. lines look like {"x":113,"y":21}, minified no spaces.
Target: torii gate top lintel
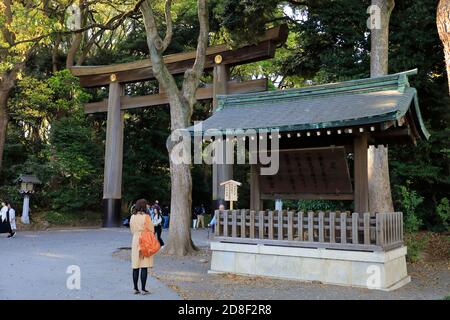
{"x":95,"y":76}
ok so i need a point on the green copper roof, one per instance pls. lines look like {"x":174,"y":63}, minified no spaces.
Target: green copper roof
{"x":356,"y":102}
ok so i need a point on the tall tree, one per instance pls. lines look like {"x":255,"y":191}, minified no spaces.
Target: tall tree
{"x":181,"y":107}
{"x":443,"y":26}
{"x":380,"y":197}
{"x":26,"y":25}
{"x":98,"y":17}
{"x":21,"y":28}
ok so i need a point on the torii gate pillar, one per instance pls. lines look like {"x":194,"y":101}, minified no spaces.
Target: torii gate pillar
{"x":112,"y":186}
{"x":220,"y":172}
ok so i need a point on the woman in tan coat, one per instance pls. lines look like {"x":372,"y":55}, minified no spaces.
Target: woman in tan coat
{"x":137,"y":223}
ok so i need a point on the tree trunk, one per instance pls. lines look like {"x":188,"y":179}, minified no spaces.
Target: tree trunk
{"x":380,"y":197}
{"x":77,"y":37}
{"x":74,"y":46}
{"x":181,"y":106}
{"x":443,"y":26}
{"x":7,"y":83}
{"x":180,"y":242}
{"x":4,"y":94}
{"x":379,"y":47}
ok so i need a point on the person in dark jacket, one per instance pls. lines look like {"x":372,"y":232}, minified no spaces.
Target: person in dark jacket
{"x":201,"y":216}
{"x":165,"y":215}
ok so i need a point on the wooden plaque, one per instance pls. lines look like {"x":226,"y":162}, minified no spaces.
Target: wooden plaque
{"x":309,"y":172}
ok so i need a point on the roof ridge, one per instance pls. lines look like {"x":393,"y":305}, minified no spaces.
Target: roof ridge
{"x":396,"y":81}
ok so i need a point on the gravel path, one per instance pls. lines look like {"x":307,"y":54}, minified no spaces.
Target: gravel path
{"x":34,"y":265}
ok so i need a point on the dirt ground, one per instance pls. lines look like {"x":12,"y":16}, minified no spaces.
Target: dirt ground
{"x":189,"y":277}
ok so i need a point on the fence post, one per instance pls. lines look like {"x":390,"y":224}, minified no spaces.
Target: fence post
{"x":225,"y":223}
{"x":388,"y":227}
{"x":380,"y":229}
{"x":217,"y":226}
{"x":261,"y":225}
{"x":290,"y":226}
{"x":300,"y":225}
{"x":366,"y":228}
{"x":395,"y":226}
{"x":401,"y":225}
{"x":343,"y":227}
{"x":311,"y":226}
{"x":355,"y":225}
{"x":252,"y":224}
{"x":321,"y":227}
{"x":271,"y":225}
{"x":243,"y":223}
{"x":332,"y":227}
{"x":233,"y":224}
{"x":280,"y":225}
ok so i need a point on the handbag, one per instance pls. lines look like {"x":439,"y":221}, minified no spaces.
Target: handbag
{"x":148,"y":244}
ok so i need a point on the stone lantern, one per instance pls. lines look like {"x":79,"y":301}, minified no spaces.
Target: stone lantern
{"x":27,"y":183}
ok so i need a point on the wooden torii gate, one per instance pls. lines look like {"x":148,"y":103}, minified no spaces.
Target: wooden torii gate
{"x":218,"y":58}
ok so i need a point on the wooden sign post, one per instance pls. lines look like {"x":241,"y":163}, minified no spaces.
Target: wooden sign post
{"x":231,"y":193}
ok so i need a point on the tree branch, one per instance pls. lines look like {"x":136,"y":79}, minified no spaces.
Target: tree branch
{"x":9,"y":37}
{"x":298,"y":2}
{"x":112,"y":24}
{"x":153,"y":37}
{"x":155,"y":43}
{"x":169,"y":28}
{"x":192,"y":76}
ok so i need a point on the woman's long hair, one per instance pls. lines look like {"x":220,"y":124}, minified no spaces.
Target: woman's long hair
{"x":141,"y":206}
{"x":156,"y":211}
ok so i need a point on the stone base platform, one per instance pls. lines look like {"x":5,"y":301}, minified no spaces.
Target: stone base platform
{"x":374,"y":270}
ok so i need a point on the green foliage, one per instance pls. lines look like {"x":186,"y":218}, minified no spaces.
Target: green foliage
{"x":322,"y":205}
{"x":76,"y":160}
{"x":443,"y":211}
{"x":409,"y":201}
{"x":415,"y":242}
{"x":327,"y":51}
{"x":11,"y":193}
{"x":412,"y":223}
{"x":242,"y":20}
{"x":72,"y":218}
{"x":28,"y":26}
{"x":49,"y":136}
{"x":145,"y":168}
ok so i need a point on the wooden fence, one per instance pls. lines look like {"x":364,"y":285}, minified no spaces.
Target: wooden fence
{"x":333,"y":230}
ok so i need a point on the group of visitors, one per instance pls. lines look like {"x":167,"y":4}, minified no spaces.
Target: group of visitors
{"x":8,"y":219}
{"x":198,"y":217}
{"x":158,"y":215}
